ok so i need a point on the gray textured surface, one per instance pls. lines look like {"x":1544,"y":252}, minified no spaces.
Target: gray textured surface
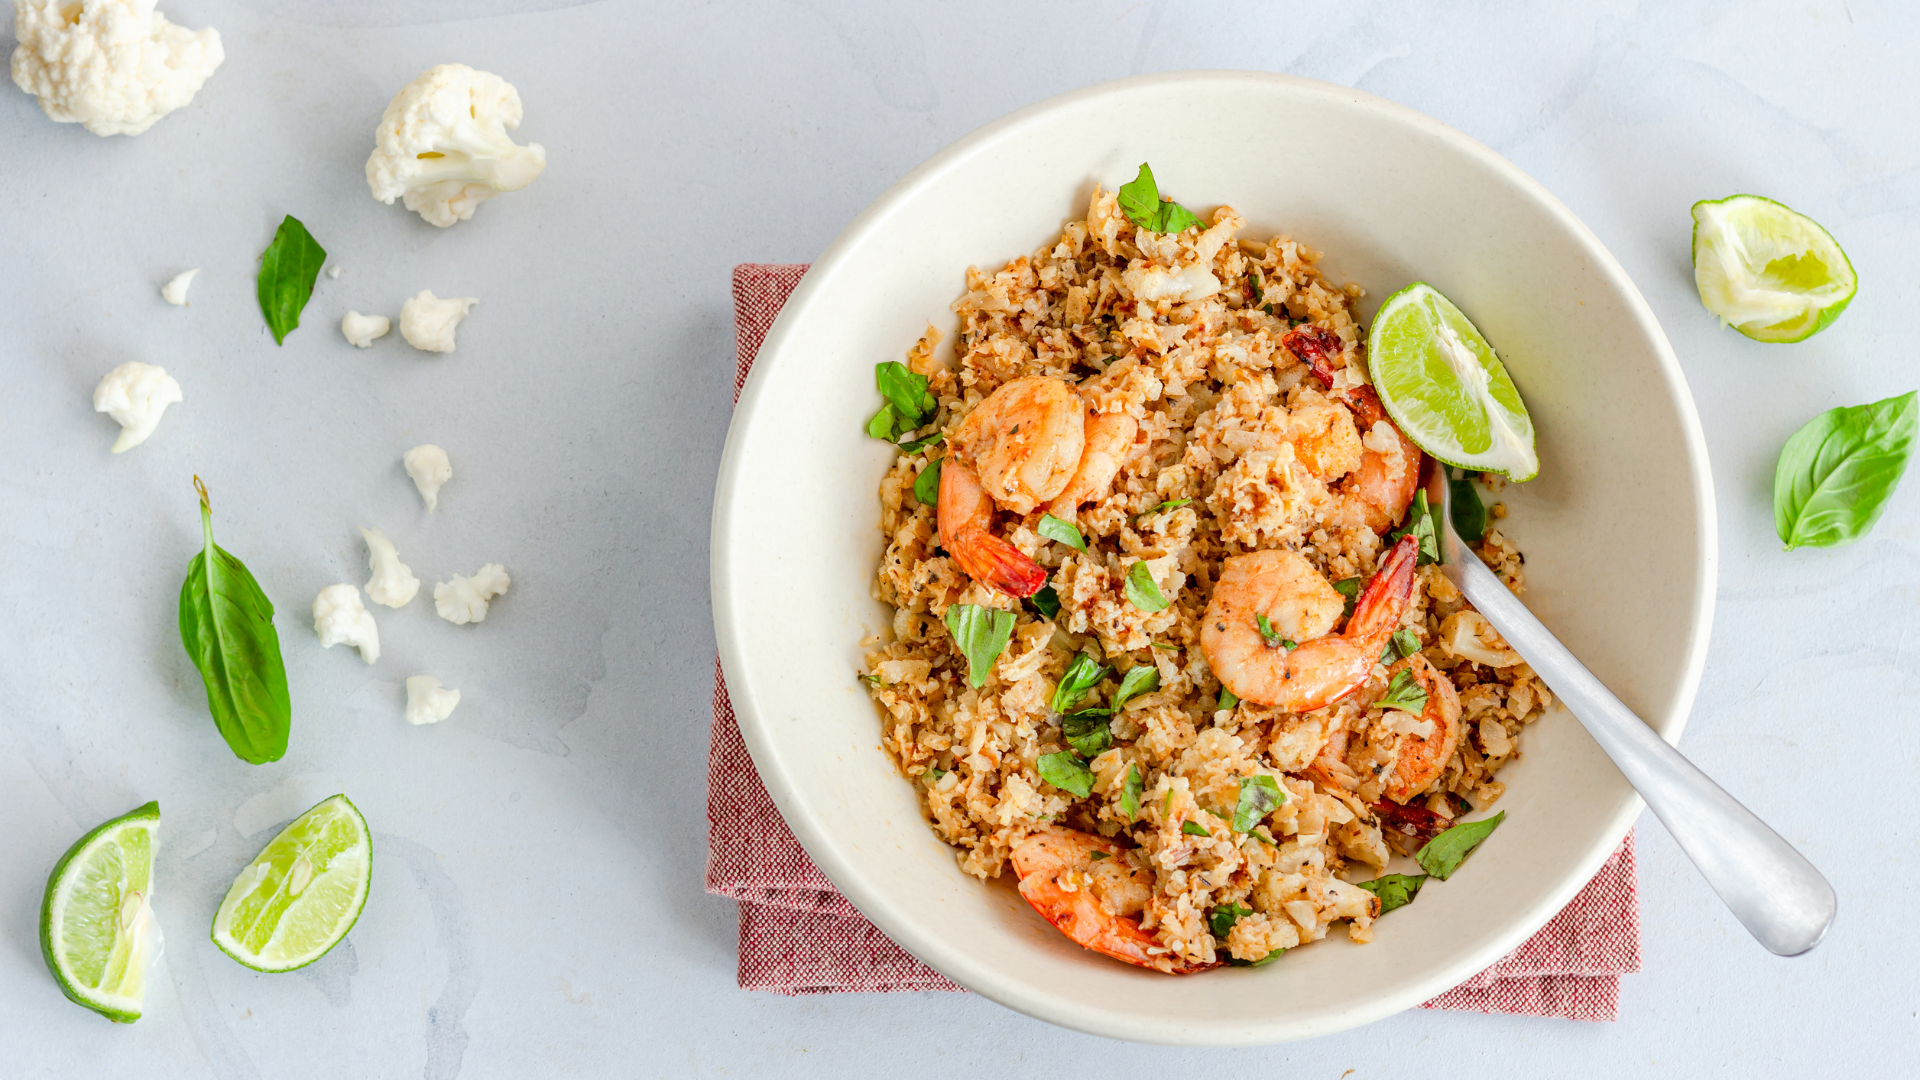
{"x":537,"y":907}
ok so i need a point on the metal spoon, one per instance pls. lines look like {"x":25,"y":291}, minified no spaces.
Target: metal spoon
{"x":1771,"y":888}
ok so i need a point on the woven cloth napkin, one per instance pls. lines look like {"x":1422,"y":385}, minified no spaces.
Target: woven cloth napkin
{"x":798,"y":935}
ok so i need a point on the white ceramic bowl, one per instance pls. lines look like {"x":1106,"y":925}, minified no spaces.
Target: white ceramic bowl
{"x":1618,"y":529}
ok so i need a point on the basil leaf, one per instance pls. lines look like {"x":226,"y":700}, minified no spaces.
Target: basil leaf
{"x":1394,"y":890}
{"x":1046,"y":601}
{"x":933,"y":774}
{"x":1140,"y":201}
{"x":1140,"y":680}
{"x":1257,"y":292}
{"x":1194,"y":828}
{"x":1130,"y":791}
{"x":1170,"y":504}
{"x":1403,"y":643}
{"x":226,"y":625}
{"x":1419,"y":524}
{"x":1404,"y":693}
{"x":1258,"y":796}
{"x":918,"y":445}
{"x":1349,"y":588}
{"x":1065,"y":532}
{"x":1222,"y":918}
{"x":1469,"y":513}
{"x":884,"y":423}
{"x":1228,"y":700}
{"x":1835,"y":474}
{"x":1087,"y":733}
{"x":1268,"y":634}
{"x":905,"y":391}
{"x":1142,"y":592}
{"x":288,"y":269}
{"x":1443,"y":854}
{"x":926,"y":486}
{"x":1096,"y":856}
{"x":1068,"y":773}
{"x":981,"y":634}
{"x":1165,"y":647}
{"x":1081,"y":676}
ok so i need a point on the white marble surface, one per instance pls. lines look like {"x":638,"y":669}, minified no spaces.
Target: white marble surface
{"x":537,"y":907}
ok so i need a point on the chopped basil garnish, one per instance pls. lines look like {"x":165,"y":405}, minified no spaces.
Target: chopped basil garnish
{"x":1469,"y":513}
{"x":884,"y":423}
{"x":1349,"y":588}
{"x":918,"y":445}
{"x":933,"y":774}
{"x":1046,"y":601}
{"x":873,"y":680}
{"x":1068,"y":773}
{"x":1080,"y":677}
{"x":1404,"y":693}
{"x":1063,"y":532}
{"x":1258,"y":796}
{"x":1194,"y":828}
{"x":1166,"y":647}
{"x":1223,"y":917}
{"x":1394,"y":890}
{"x":1443,"y":854}
{"x":1170,"y":504}
{"x":1267,"y":633}
{"x":1141,"y":590}
{"x":1140,"y":201}
{"x":1835,"y":474}
{"x":981,"y":634}
{"x":1419,"y":524}
{"x":1130,"y":791}
{"x":1228,"y":699}
{"x":1096,"y":856}
{"x":926,"y":486}
{"x":1403,"y":643}
{"x":909,"y":402}
{"x":1087,"y":733}
{"x":1140,"y":680}
{"x":1255,"y":289}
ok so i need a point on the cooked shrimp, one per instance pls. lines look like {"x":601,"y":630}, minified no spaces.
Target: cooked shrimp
{"x":964,"y":515}
{"x":1024,"y":441}
{"x":1423,"y":758}
{"x":1296,"y":600}
{"x":1109,"y":441}
{"x":1096,"y":902}
{"x":1388,"y":477}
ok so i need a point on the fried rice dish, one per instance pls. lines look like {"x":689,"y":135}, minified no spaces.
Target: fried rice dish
{"x":1167,"y":641}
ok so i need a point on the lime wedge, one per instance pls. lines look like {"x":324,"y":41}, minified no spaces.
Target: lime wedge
{"x":96,"y":926}
{"x":1443,"y":385}
{"x":1768,"y":272}
{"x":302,"y":893}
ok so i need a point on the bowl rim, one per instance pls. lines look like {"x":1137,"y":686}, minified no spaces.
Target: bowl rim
{"x":954,"y":962}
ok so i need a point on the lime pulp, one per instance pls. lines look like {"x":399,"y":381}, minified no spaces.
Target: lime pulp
{"x":1768,"y":272}
{"x":302,"y":893}
{"x":97,"y":930}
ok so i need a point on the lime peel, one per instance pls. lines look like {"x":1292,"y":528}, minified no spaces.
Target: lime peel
{"x":97,"y":930}
{"x":302,"y":893}
{"x":1768,"y":271}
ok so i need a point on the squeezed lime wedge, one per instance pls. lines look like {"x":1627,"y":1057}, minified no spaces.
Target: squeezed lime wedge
{"x":302,"y":893}
{"x":1446,"y":388}
{"x":97,"y":930}
{"x":1768,"y":272}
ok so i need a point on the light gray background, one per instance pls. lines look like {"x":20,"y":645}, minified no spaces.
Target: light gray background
{"x":537,"y":906}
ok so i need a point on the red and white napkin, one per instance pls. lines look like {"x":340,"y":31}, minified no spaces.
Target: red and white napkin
{"x":798,"y":935}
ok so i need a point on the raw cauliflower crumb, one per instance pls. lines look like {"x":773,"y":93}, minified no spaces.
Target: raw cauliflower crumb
{"x":392,"y":583}
{"x":429,"y":467}
{"x":135,"y":395}
{"x":340,"y":619}
{"x":113,"y":66}
{"x":361,"y":330}
{"x":427,"y":321}
{"x":175,"y":290}
{"x":464,"y":599}
{"x":427,"y":701}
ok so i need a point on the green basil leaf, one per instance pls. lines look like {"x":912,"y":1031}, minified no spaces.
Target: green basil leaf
{"x":1064,"y":532}
{"x":1267,"y":959}
{"x":1087,"y":733}
{"x":1257,"y":290}
{"x":1443,"y":854}
{"x":1096,"y":856}
{"x":1404,"y":692}
{"x":1194,"y":828}
{"x":905,"y":391}
{"x":1394,"y":890}
{"x":288,"y":269}
{"x":1141,"y":590}
{"x":1222,"y":918}
{"x":1835,"y":474}
{"x":1130,"y":791}
{"x":926,"y":486}
{"x":1170,"y":504}
{"x":1349,"y":588}
{"x":1140,"y":680}
{"x":933,"y":774}
{"x":884,"y":423}
{"x":1082,"y":675}
{"x":226,"y":625}
{"x":920,"y":444}
{"x":1469,"y":513}
{"x":1164,"y":646}
{"x":981,"y":633}
{"x":1228,"y":700}
{"x":1258,"y":796}
{"x":1403,"y":643}
{"x":1419,"y":524}
{"x":1046,"y":601}
{"x":1068,"y":773}
{"x":1268,"y":634}
{"x":1140,"y":201}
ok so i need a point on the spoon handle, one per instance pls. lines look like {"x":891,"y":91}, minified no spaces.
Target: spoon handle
{"x":1771,"y":888}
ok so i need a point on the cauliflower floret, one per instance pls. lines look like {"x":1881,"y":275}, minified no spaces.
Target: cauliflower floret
{"x":464,"y":599}
{"x":443,"y":145}
{"x":361,"y":329}
{"x":339,"y":618}
{"x":135,"y":395}
{"x":429,"y":467}
{"x":427,"y":701}
{"x":114,"y":66}
{"x":175,"y":291}
{"x":427,"y":321}
{"x":392,"y":584}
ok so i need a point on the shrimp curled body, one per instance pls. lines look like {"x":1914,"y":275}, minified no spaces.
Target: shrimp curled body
{"x":1095,"y":902}
{"x":964,"y":514}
